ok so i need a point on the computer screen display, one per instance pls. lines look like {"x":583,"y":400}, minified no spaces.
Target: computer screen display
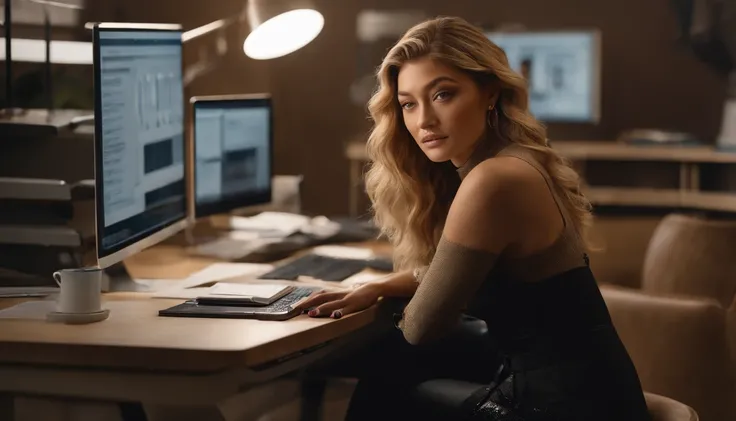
{"x":232,"y":145}
{"x":139,"y":139}
{"x":562,"y":70}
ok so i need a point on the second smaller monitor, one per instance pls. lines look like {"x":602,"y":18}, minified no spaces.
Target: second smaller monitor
{"x":232,"y":152}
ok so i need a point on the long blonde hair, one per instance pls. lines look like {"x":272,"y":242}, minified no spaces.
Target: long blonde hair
{"x":410,"y":194}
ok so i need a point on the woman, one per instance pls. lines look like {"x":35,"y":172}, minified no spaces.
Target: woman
{"x":485,"y":219}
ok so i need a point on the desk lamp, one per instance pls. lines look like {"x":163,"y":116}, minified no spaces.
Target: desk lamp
{"x":274,"y":28}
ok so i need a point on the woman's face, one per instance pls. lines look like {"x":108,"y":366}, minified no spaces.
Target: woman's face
{"x":443,"y":108}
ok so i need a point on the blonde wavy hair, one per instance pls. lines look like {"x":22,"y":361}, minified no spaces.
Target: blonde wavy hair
{"x":410,"y":194}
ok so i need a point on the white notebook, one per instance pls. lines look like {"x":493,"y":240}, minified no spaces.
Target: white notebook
{"x":224,"y":293}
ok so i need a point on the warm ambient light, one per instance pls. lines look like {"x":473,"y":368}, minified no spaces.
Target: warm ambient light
{"x":283,"y":34}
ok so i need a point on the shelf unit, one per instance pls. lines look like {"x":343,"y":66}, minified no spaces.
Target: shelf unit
{"x":629,"y":176}
{"x":623,"y":175}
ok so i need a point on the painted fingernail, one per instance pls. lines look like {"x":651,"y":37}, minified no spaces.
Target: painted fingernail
{"x":336,"y":314}
{"x":313,"y":312}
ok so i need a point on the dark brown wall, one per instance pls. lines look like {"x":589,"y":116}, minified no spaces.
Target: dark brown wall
{"x":647,"y":81}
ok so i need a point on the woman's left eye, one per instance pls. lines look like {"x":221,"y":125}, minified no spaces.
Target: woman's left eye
{"x":442,"y":95}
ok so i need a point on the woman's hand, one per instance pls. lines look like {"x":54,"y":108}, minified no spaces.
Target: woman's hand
{"x":338,"y":304}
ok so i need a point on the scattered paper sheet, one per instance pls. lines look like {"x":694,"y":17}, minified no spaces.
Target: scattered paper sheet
{"x":182,"y":293}
{"x":243,"y":235}
{"x":198,"y":283}
{"x":158,"y":284}
{"x":321,"y":227}
{"x":224,"y":270}
{"x":274,"y":223}
{"x":343,"y":252}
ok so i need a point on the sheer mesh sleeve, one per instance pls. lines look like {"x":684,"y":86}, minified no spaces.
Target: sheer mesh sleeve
{"x":453,"y":277}
{"x":419,"y":273}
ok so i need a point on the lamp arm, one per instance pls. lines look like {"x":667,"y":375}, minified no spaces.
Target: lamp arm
{"x":57,"y":4}
{"x":207,"y":61}
{"x":206,"y":29}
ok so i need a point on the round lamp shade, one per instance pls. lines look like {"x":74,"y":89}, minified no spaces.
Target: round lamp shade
{"x":280,"y":27}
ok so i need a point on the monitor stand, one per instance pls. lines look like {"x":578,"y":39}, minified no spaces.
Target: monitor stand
{"x":212,"y":228}
{"x":209,"y":242}
{"x":117,"y":279}
{"x":194,"y":237}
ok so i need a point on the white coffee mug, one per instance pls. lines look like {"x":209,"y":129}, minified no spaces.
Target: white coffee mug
{"x":80,"y":290}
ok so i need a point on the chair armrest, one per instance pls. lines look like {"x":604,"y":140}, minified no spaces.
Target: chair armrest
{"x":679,"y":347}
{"x":664,"y":408}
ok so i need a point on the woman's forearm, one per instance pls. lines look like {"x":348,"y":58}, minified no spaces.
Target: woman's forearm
{"x":399,"y":284}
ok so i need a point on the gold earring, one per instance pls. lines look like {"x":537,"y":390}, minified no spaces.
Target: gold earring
{"x":492,"y":110}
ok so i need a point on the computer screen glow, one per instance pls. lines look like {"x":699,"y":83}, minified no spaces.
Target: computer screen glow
{"x":232,"y":149}
{"x":141,"y":129}
{"x":562,"y":70}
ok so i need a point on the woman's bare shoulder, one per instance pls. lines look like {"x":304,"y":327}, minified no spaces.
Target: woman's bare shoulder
{"x":504,"y":175}
{"x":503,"y":197}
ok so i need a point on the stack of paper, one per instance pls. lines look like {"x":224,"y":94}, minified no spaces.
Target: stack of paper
{"x":271,"y":224}
{"x":283,"y":224}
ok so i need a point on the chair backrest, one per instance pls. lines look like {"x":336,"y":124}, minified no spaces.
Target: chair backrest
{"x":692,"y":256}
{"x":679,"y":348}
{"x":665,"y":409}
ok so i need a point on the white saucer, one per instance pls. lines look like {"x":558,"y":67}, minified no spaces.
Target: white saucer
{"x":78,"y":318}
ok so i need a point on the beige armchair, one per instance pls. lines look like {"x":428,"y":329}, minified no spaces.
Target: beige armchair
{"x":688,"y":254}
{"x":679,"y":346}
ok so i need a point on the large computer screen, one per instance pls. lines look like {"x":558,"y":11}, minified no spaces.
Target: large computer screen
{"x":562,"y":69}
{"x":232,"y":148}
{"x":139,"y":137}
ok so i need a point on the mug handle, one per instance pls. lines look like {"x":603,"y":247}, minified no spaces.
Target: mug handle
{"x":57,"y":278}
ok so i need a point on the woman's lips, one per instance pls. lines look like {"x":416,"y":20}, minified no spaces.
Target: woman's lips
{"x":434,"y":141}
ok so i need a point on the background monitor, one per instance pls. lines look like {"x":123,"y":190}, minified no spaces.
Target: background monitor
{"x":139,"y":137}
{"x":563,"y":71}
{"x":232,"y":152}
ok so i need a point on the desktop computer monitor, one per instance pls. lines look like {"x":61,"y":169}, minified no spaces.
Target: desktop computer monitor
{"x":232,"y":151}
{"x":562,"y":69}
{"x":141,"y":194}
